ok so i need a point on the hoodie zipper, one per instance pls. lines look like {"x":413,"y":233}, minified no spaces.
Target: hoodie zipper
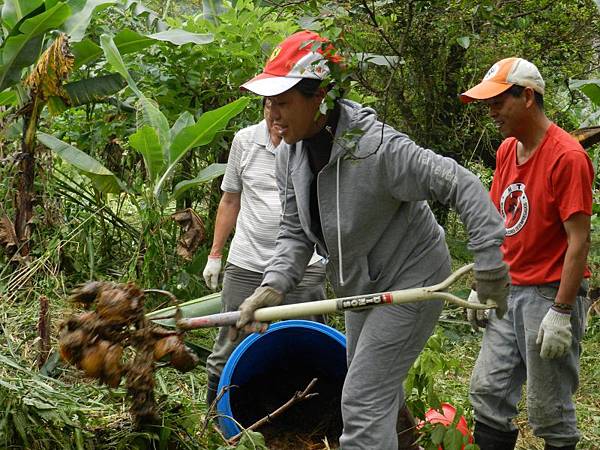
{"x":340,"y":271}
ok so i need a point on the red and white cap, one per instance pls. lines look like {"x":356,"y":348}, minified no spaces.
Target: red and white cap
{"x":502,"y":76}
{"x":293,"y":59}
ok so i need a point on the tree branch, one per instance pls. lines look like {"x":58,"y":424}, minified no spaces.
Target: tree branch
{"x":379,"y":29}
{"x":296,"y":398}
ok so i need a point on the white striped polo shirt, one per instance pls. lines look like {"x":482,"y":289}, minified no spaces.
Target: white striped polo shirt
{"x":251,"y":171}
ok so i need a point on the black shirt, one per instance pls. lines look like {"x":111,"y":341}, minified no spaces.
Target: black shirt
{"x":318,"y":148}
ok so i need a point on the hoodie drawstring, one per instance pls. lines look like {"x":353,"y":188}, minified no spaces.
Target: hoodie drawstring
{"x":287,"y":173}
{"x":339,"y":232}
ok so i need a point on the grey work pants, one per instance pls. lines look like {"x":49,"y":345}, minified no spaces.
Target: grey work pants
{"x":382,"y":344}
{"x":510,"y":357}
{"x":238,"y":284}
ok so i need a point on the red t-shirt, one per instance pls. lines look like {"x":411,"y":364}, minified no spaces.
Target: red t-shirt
{"x":535,"y":198}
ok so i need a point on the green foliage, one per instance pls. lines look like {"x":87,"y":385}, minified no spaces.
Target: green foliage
{"x":14,"y":10}
{"x":33,"y":406}
{"x":92,"y":90}
{"x":250,"y":440}
{"x":203,"y":77}
{"x":158,"y":236}
{"x":160,"y":159}
{"x":591,"y":88}
{"x":447,"y":437}
{"x":127,"y":41}
{"x":198,"y":134}
{"x":161,"y":147}
{"x":422,"y":381}
{"x":77,"y":23}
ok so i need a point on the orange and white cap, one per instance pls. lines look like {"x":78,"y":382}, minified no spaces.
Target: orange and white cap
{"x":502,"y":76}
{"x":293,"y":59}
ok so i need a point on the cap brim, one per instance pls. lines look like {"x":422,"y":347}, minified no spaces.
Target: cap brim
{"x":269,"y":85}
{"x":484,"y":90}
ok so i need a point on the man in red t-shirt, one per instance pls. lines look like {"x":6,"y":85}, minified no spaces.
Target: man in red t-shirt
{"x":543,"y":189}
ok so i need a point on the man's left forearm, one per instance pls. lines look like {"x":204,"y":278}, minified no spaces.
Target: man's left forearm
{"x":575,"y":258}
{"x":571,"y":277}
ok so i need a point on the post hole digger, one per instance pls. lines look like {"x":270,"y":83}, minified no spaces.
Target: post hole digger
{"x":270,"y":314}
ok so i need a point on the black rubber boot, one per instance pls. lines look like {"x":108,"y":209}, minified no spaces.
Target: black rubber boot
{"x":552,"y":447}
{"x":406,"y":429}
{"x":489,"y":438}
{"x":212,"y":389}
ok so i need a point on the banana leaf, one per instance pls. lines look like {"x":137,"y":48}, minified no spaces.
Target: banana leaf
{"x":90,"y":90}
{"x":76,"y":25}
{"x":208,"y":174}
{"x":145,"y":140}
{"x":15,"y":10}
{"x":102,"y":178}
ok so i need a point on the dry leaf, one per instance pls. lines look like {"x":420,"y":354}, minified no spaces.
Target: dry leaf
{"x":587,"y":136}
{"x":8,"y":236}
{"x":52,"y":69}
{"x":193,"y":232}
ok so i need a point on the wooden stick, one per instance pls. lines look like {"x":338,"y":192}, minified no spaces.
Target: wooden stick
{"x":213,"y":407}
{"x":297,"y":397}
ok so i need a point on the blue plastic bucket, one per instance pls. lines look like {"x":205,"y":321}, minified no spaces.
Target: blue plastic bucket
{"x":312,"y":348}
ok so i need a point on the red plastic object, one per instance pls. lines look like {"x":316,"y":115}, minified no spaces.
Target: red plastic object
{"x":446,"y":418}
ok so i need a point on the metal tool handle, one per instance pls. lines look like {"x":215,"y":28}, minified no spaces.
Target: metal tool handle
{"x":282,"y":312}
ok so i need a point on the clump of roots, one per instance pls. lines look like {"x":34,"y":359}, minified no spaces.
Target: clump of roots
{"x":97,"y":341}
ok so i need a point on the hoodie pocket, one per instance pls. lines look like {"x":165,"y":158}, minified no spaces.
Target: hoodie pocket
{"x":375,"y":270}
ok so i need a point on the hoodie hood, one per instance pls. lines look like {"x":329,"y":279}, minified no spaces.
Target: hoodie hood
{"x":353,"y":121}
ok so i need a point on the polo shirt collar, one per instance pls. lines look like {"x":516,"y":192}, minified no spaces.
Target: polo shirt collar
{"x":262,"y":138}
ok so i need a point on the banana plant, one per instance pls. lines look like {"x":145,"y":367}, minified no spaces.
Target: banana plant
{"x":161,"y":146}
{"x":37,"y":34}
{"x":160,"y":157}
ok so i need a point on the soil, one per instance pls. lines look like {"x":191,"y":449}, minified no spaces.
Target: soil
{"x":304,"y":425}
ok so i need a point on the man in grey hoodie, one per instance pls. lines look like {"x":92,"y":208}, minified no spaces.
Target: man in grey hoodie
{"x":358,"y":190}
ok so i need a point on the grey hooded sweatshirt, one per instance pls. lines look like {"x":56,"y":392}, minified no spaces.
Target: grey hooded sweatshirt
{"x":379,"y":232}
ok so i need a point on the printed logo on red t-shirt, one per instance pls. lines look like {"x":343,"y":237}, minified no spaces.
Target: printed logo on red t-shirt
{"x":514,"y":208}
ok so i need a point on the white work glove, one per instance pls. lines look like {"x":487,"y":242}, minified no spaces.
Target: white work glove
{"x":212,"y":271}
{"x":478,"y":318}
{"x":493,"y":287}
{"x":262,"y":296}
{"x":554,"y":334}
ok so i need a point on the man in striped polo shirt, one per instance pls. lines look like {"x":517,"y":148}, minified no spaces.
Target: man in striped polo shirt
{"x":250,"y":202}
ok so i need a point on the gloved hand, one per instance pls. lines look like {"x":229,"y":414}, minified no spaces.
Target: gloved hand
{"x":492,"y":288}
{"x":478,"y":318}
{"x":212,"y":271}
{"x":262,"y":296}
{"x":554,"y":334}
